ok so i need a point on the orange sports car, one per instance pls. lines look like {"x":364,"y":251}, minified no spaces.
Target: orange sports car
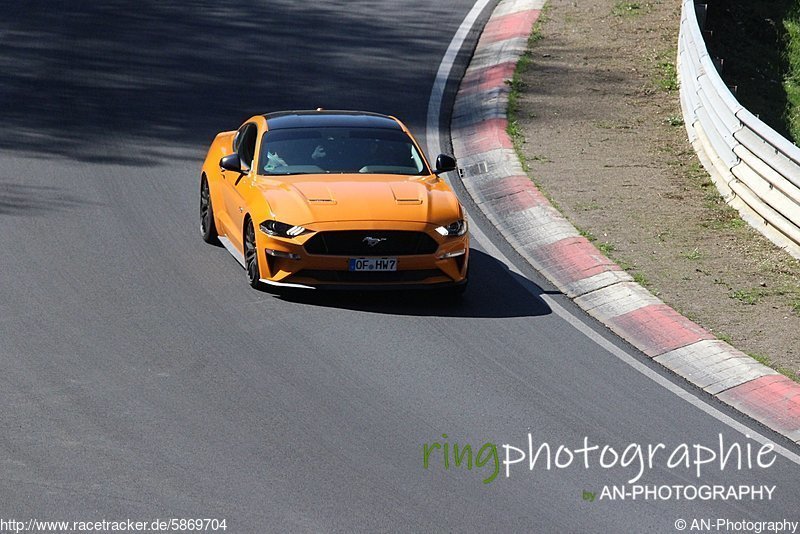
{"x":333,"y":199}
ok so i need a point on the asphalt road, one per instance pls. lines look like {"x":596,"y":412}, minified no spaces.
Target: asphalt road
{"x":142,"y":378}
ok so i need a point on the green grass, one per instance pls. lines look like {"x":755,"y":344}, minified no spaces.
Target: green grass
{"x":696,"y":171}
{"x":747,"y":296}
{"x":725,"y":223}
{"x":513,"y":129}
{"x":588,"y":206}
{"x":613,"y":125}
{"x":624,"y":265}
{"x":720,"y":216}
{"x":724,"y":337}
{"x":760,"y":358}
{"x":606,"y":248}
{"x":587,"y":234}
{"x":791,"y":81}
{"x":765,"y":360}
{"x":674,"y":120}
{"x":668,"y":77}
{"x":517,"y":85}
{"x":753,"y":295}
{"x":627,"y":9}
{"x":693,"y":254}
{"x":536,"y":33}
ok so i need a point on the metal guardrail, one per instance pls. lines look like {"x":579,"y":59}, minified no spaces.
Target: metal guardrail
{"x":756,"y":170}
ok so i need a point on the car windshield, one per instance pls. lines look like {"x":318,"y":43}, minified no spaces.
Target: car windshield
{"x":339,"y":150}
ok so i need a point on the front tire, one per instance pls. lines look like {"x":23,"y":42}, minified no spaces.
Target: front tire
{"x":208,"y":228}
{"x":251,"y":255}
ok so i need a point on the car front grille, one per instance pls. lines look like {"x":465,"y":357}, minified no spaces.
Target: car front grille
{"x":371,"y":243}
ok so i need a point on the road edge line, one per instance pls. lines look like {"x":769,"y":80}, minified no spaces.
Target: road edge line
{"x":499,"y":187}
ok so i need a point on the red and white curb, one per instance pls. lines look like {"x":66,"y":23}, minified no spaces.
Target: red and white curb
{"x":496,"y":181}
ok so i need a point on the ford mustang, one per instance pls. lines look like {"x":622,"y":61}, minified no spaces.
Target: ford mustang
{"x":333,"y":199}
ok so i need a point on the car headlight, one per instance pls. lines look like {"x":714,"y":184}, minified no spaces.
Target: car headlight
{"x":456,"y":228}
{"x":280,"y":229}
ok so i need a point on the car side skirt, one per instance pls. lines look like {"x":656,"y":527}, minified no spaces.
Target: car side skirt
{"x":232,"y":249}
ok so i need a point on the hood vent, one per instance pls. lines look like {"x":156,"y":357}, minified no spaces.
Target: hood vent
{"x":316,"y":193}
{"x":407,"y":193}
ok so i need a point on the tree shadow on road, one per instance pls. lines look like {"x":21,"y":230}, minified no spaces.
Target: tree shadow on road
{"x":112,"y":81}
{"x":27,"y":199}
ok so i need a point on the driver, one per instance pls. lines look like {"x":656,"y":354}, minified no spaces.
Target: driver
{"x":327,"y":154}
{"x":320,"y":152}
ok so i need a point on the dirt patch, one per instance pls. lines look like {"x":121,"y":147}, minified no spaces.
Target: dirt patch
{"x":598,"y":107}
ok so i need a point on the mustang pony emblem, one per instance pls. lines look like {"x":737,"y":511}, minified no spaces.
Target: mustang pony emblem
{"x":372,"y":241}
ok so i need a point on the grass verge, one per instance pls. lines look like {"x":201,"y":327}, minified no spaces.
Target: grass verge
{"x":763,"y":359}
{"x":516,"y":84}
{"x":719,"y":218}
{"x":628,"y":9}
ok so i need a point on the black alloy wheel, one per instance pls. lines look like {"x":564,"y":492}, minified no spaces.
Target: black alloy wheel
{"x":207,"y":226}
{"x":251,"y":255}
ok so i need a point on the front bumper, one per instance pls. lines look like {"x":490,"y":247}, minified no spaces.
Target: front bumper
{"x":328,"y":271}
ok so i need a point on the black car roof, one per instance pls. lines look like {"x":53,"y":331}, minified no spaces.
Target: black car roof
{"x":329,"y":119}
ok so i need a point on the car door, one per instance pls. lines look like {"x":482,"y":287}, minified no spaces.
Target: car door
{"x":234,"y":183}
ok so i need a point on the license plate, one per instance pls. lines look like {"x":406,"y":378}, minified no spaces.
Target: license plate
{"x":373,"y":264}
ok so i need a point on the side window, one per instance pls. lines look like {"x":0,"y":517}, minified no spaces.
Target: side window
{"x":237,"y":138}
{"x":245,"y":143}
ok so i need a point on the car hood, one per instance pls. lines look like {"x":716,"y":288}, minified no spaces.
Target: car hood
{"x":307,"y":199}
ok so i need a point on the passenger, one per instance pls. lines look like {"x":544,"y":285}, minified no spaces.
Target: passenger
{"x":274,"y":161}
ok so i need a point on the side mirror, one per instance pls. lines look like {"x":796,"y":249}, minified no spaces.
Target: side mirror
{"x":444,"y":163}
{"x":232,"y":162}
